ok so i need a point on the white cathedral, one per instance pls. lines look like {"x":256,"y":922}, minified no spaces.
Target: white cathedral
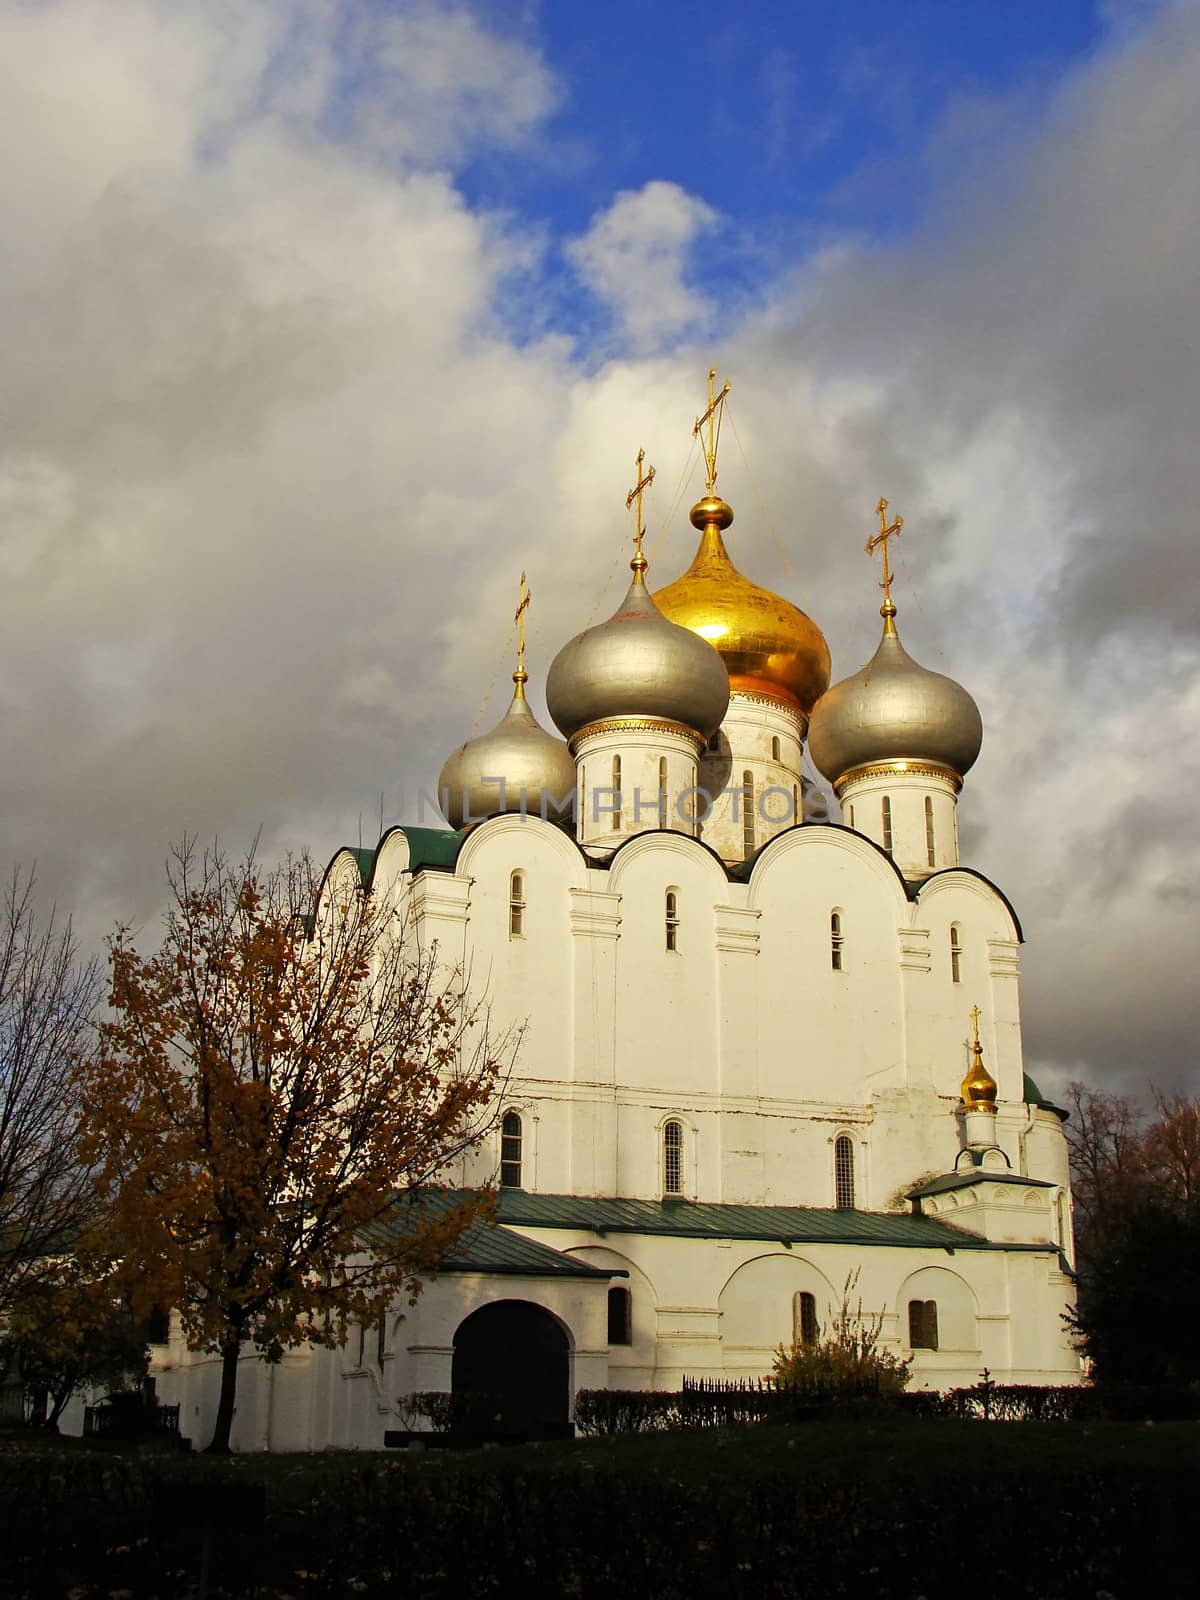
{"x":743,"y":1077}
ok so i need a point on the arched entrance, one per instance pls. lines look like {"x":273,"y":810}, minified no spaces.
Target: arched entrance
{"x":518,"y":1355}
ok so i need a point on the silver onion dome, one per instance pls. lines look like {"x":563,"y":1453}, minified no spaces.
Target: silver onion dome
{"x":536,"y":768}
{"x":637,"y":664}
{"x":894,"y":710}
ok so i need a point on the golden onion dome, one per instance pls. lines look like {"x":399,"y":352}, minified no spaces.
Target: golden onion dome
{"x":894,"y":710}
{"x":768,"y":645}
{"x":637,"y":664}
{"x":978,"y":1089}
{"x":536,"y":768}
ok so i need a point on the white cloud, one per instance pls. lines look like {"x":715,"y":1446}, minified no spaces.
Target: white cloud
{"x":272,"y":465}
{"x":634,"y":258}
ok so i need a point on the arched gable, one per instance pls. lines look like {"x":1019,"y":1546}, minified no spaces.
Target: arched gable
{"x":757,"y":1305}
{"x":660,"y":845}
{"x":956,"y":1303}
{"x":962,"y":886}
{"x":803,"y":849}
{"x":517,"y":839}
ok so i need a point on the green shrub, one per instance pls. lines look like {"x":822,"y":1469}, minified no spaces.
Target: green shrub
{"x":847,"y":1360}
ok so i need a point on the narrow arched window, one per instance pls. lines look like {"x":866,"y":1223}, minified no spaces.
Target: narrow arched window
{"x":510,"y":1151}
{"x":672,"y":919}
{"x":843,"y":1172}
{"x":795,"y":803}
{"x":620,"y":1316}
{"x":851,"y":814}
{"x":804,"y":1318}
{"x":922,"y":1325}
{"x":582,"y":798}
{"x":748,"y":812}
{"x":381,"y":1349}
{"x":955,"y":953}
{"x":887,"y":823}
{"x":616,"y":788}
{"x":516,"y":905}
{"x":837,"y":942}
{"x":673,"y":1157}
{"x":929,"y":849}
{"x":775,"y":755}
{"x":662,"y":791}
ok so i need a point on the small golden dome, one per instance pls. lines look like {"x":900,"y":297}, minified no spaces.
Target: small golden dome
{"x":978,"y":1088}
{"x":768,"y":645}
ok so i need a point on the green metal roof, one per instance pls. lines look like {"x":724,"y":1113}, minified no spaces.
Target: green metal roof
{"x":433,"y":848}
{"x":1033,"y":1096}
{"x":964,"y":1180}
{"x":691,"y":1219}
{"x":484,"y":1247}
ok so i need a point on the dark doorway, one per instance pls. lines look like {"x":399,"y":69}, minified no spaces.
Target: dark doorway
{"x":517,"y":1354}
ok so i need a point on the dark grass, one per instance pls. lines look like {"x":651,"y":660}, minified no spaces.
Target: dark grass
{"x":895,"y":1509}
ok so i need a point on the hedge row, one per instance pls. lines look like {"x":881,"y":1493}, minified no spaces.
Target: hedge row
{"x":613,"y":1411}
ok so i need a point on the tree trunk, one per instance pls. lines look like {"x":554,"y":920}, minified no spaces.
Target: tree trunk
{"x":230,"y":1351}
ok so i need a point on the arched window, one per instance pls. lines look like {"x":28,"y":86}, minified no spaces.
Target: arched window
{"x":620,"y":1316}
{"x":158,"y":1325}
{"x":516,"y":906}
{"x":673,"y":1157}
{"x":616,"y":787}
{"x":510,"y":1151}
{"x":837,"y":941}
{"x":804,"y":1318}
{"x":887,"y":823}
{"x":381,"y":1349}
{"x":672,"y":919}
{"x":775,"y":756}
{"x":851,"y":813}
{"x":929,"y":850}
{"x":955,"y":953}
{"x":748,"y":812}
{"x":662,"y":791}
{"x":922,"y":1325}
{"x":843,"y":1172}
{"x":795,"y":803}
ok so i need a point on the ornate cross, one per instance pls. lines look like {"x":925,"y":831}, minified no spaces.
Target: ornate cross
{"x":716,"y":407}
{"x":975,"y":1015}
{"x":519,"y":619}
{"x":881,"y":538}
{"x":644,"y":480}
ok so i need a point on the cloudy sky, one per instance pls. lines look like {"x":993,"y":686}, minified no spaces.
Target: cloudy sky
{"x":322,"y":319}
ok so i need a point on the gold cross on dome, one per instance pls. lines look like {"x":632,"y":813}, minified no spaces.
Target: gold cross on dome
{"x":644,"y":480}
{"x":716,"y":410}
{"x":881,"y":538}
{"x":519,"y":619}
{"x":975,"y":1015}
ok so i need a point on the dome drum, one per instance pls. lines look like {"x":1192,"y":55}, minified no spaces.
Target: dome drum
{"x":578,"y":741}
{"x":901,"y":767}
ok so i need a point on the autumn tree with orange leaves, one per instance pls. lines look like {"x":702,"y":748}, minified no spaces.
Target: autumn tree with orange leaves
{"x":272,"y":1088}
